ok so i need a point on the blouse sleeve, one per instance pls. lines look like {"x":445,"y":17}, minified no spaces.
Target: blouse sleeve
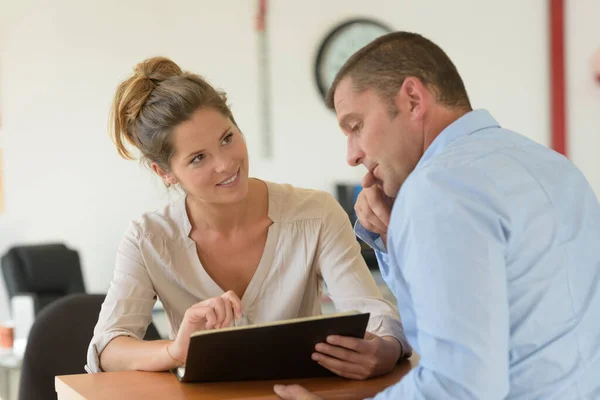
{"x":127,"y":309}
{"x":349,"y":281}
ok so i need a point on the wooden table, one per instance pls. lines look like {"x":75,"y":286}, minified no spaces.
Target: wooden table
{"x":164,"y":385}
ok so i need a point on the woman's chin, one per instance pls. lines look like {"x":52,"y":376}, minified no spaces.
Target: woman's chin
{"x":232,"y":193}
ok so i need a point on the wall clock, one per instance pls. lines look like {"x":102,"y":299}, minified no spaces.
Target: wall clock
{"x":339,"y":44}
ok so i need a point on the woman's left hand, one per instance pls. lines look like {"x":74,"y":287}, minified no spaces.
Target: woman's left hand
{"x":359,"y":359}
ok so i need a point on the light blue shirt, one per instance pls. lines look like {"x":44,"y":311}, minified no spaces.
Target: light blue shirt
{"x":493,"y":253}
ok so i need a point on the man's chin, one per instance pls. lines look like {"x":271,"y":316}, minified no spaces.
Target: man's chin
{"x":381,"y":185}
{"x":389,"y":190}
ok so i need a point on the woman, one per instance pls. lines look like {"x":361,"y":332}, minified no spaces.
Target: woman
{"x":231,"y":247}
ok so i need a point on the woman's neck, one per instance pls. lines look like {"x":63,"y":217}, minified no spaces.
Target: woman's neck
{"x":225,"y":219}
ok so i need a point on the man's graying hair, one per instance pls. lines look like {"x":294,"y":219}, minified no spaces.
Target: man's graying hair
{"x":386,"y":62}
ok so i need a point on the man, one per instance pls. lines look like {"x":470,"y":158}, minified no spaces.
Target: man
{"x":492,"y":243}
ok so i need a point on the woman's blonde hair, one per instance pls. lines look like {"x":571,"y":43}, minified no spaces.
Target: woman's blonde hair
{"x":151,"y":103}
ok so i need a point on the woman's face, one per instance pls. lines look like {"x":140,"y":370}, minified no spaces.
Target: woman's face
{"x":210,"y":160}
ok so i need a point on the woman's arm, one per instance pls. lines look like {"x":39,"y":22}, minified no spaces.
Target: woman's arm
{"x":350,"y":284}
{"x":126,"y":311}
{"x":352,"y":287}
{"x":128,"y":353}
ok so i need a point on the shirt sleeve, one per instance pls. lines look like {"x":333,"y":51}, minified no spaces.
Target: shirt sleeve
{"x":373,"y":239}
{"x":349,"y":281}
{"x":127,"y":309}
{"x":449,"y":238}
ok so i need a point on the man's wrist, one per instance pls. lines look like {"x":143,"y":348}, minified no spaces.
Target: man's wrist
{"x":395,"y":344}
{"x":384,"y":238}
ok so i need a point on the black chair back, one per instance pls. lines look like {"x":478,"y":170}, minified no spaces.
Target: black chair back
{"x":58,"y":343}
{"x":46,"y":272}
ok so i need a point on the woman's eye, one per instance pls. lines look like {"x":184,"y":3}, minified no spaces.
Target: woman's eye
{"x":227,"y":139}
{"x":198,"y":158}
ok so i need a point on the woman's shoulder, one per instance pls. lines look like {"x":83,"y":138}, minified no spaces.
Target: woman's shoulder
{"x":167,"y":221}
{"x":298,"y":203}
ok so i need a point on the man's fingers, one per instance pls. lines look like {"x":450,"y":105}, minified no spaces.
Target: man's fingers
{"x":368,"y":225}
{"x":346,"y":375}
{"x":368,"y":180}
{"x":293,"y":392}
{"x":343,"y":367}
{"x":338,"y":352}
{"x":382,"y":212}
{"x":377,"y":202}
{"x":357,"y":345}
{"x":369,"y":220}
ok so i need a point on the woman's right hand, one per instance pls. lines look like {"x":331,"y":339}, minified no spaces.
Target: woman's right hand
{"x":213,"y":313}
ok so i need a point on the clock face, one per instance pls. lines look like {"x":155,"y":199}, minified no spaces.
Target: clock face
{"x":340,"y":44}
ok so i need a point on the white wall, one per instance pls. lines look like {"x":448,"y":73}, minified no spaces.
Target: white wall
{"x":60,"y":61}
{"x":583,"y":91}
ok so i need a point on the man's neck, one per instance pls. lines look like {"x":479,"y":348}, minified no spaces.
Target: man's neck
{"x":440,"y":118}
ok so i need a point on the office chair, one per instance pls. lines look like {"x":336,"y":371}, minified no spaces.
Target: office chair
{"x":45,"y":272}
{"x":58,"y":343}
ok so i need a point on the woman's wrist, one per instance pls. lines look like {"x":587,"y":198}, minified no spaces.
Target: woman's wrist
{"x":174,"y":355}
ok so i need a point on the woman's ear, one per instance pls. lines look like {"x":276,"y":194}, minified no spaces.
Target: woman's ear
{"x":168,"y":177}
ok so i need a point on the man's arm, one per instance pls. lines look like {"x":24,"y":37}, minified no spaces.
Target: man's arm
{"x":448,"y":243}
{"x":374,"y":240}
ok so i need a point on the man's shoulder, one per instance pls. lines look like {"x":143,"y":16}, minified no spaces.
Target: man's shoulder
{"x":493,"y":154}
{"x":447,"y":181}
{"x":481,"y":148}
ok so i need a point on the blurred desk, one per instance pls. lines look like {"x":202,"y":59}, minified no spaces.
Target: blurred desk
{"x":164,"y":385}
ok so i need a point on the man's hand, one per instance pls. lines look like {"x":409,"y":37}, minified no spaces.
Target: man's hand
{"x":294,"y":392}
{"x":360,"y":359}
{"x":373,"y":208}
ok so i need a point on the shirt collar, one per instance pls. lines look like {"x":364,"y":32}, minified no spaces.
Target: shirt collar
{"x":466,"y":125}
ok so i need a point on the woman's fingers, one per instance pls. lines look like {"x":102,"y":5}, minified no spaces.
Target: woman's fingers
{"x":236,"y":303}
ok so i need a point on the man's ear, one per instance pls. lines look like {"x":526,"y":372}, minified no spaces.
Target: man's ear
{"x":168,"y":177}
{"x":412,"y":96}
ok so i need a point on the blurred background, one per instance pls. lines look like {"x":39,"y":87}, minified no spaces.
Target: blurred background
{"x":60,"y":61}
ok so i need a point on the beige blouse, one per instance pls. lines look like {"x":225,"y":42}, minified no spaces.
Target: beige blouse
{"x":311,"y":240}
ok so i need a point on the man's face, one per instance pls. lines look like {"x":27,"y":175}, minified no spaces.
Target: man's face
{"x":389,"y":144}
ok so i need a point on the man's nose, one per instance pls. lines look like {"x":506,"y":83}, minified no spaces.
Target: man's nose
{"x":355,"y":155}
